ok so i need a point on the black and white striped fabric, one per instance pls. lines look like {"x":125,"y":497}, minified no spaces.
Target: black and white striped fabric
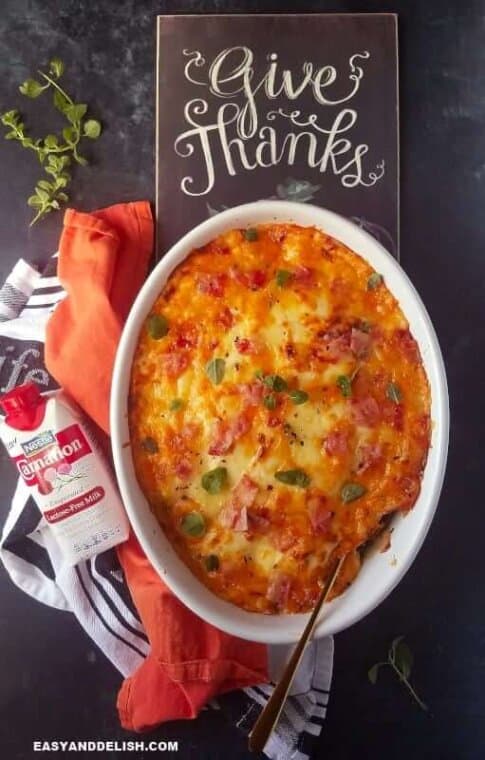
{"x":96,"y":591}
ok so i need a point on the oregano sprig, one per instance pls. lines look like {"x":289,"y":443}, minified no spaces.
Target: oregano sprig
{"x":55,"y":152}
{"x":400,"y":659}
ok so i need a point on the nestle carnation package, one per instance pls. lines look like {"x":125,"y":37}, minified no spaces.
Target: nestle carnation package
{"x":60,"y":460}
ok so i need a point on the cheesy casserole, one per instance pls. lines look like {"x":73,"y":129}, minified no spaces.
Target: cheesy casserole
{"x":279,"y":412}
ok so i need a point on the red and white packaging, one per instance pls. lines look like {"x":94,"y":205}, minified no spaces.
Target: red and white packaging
{"x":60,"y":460}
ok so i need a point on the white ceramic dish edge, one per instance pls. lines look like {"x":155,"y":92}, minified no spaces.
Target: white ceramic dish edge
{"x":380,"y":573}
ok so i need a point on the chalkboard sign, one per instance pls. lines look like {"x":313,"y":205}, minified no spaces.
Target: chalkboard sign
{"x":297,"y":107}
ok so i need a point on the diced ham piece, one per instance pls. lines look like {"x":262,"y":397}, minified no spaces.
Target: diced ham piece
{"x":366,"y":411}
{"x":226,"y":434}
{"x":407,"y":344}
{"x":212,"y":284}
{"x":234,"y":514}
{"x":259,"y":521}
{"x":183,"y":468}
{"x":302,"y":275}
{"x":251,"y":393}
{"x":360,"y":342}
{"x":367,"y":454}
{"x":175,"y":363}
{"x":246,"y":346}
{"x":336,"y":443}
{"x":319,"y":513}
{"x":333,"y":344}
{"x":279,"y":589}
{"x":225,"y":317}
{"x":255,"y":279}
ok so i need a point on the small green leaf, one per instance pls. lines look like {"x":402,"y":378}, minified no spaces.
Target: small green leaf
{"x":10,"y":118}
{"x":251,"y":234}
{"x":374,"y":281}
{"x":298,"y":397}
{"x":11,"y":135}
{"x":176,"y":404}
{"x":81,"y":160}
{"x":92,"y":129}
{"x":403,"y":658}
{"x":276,"y":383}
{"x":345,"y":385}
{"x":44,"y":184}
{"x":215,"y":480}
{"x":69,"y":135}
{"x":211,"y":563}
{"x":75,"y":112}
{"x":31,"y":88}
{"x":62,"y":197}
{"x":34,"y":201}
{"x":270,"y":401}
{"x":282,"y":277}
{"x":193,"y":524}
{"x":56,"y":68}
{"x":60,"y":102}
{"x":352,"y":491}
{"x":293,"y":478}
{"x":373,"y":672}
{"x":149,"y":445}
{"x":215,"y":370}
{"x":393,"y":393}
{"x":43,"y":194}
{"x":51,"y":141}
{"x":157,"y":326}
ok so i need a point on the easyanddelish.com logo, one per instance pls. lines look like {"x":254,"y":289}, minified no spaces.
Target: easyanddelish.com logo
{"x":101,"y":745}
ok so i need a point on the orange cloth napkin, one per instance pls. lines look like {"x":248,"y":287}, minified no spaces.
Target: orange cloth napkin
{"x":103,"y":259}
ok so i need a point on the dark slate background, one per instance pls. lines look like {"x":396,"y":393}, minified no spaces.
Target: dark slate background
{"x":53,"y":684}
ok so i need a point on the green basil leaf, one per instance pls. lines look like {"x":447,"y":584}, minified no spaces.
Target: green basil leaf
{"x":31,"y":88}
{"x":372,"y":673}
{"x":293,"y":478}
{"x":351,"y":492}
{"x":56,"y":67}
{"x":251,"y":234}
{"x":374,"y":281}
{"x":60,"y":102}
{"x":149,"y":445}
{"x":215,"y":480}
{"x":276,"y":383}
{"x":176,"y":404}
{"x":215,"y":370}
{"x":92,"y":129}
{"x":403,"y":658}
{"x":75,"y":112}
{"x":393,"y":393}
{"x":193,"y":524}
{"x":270,"y":401}
{"x":157,"y":326}
{"x":211,"y":563}
{"x":282,"y":277}
{"x":298,"y":397}
{"x":345,"y":385}
{"x":51,"y":141}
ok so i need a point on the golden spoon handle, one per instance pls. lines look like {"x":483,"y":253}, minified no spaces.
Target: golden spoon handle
{"x":269,"y":716}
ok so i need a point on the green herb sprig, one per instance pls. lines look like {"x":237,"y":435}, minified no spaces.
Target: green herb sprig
{"x":55,"y":152}
{"x":400,"y":659}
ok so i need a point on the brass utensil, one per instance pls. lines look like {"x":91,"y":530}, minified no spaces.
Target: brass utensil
{"x":269,"y":716}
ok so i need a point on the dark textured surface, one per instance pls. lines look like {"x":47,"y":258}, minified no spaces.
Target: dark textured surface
{"x":53,"y":684}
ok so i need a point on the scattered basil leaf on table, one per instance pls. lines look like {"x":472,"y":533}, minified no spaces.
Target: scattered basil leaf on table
{"x":214,"y":481}
{"x":215,"y":370}
{"x":400,"y":659}
{"x":54,"y":152}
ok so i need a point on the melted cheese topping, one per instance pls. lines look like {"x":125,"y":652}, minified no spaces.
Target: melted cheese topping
{"x":290,"y":302}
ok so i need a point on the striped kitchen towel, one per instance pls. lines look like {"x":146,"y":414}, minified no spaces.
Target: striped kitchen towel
{"x":95,"y":591}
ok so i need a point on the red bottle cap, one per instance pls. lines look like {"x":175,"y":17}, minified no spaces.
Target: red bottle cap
{"x":22,"y":399}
